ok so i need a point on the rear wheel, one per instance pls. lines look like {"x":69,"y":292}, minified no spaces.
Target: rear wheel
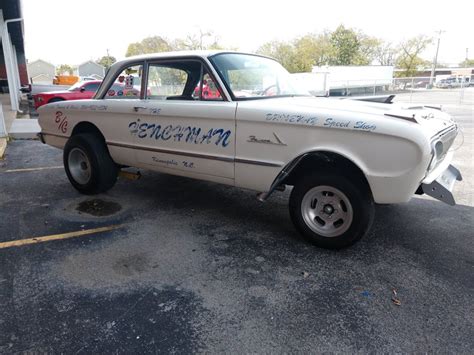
{"x":89,"y":166}
{"x":331,"y":210}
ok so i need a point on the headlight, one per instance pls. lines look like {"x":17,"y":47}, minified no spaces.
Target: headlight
{"x":438,"y":148}
{"x":436,"y":151}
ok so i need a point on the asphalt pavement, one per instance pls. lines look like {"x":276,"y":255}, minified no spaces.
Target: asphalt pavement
{"x":185,"y":266}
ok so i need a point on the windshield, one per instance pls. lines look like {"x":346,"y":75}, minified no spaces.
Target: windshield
{"x":251,"y":77}
{"x":76,"y":86}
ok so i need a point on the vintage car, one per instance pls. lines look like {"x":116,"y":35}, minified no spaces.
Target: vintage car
{"x":262,"y":133}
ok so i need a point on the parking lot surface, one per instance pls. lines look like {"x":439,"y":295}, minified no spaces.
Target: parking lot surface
{"x":170,"y":264}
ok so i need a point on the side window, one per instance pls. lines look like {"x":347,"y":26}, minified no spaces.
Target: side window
{"x":210,"y":90}
{"x":91,"y":87}
{"x":127,"y":84}
{"x":168,"y":81}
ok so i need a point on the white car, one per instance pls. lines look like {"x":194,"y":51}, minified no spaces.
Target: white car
{"x":257,"y":130}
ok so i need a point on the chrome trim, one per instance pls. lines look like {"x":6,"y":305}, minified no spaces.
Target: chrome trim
{"x":170,"y":151}
{"x":194,"y":155}
{"x":447,"y":137}
{"x":258,"y":162}
{"x":439,"y":108}
{"x":445,"y":131}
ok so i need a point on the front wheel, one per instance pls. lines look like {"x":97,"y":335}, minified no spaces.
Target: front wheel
{"x":331,"y":210}
{"x":88,"y":164}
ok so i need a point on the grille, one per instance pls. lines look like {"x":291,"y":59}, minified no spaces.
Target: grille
{"x":447,"y":137}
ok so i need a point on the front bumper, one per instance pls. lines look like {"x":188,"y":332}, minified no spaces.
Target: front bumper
{"x":441,"y":188}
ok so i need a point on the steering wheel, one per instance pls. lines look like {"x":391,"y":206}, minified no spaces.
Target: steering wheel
{"x":265,"y":92}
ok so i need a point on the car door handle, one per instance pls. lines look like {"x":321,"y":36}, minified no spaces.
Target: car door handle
{"x":136,"y":108}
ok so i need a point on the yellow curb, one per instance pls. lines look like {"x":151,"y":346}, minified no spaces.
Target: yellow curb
{"x":17,"y":243}
{"x":3,"y":146}
{"x":34,"y":169}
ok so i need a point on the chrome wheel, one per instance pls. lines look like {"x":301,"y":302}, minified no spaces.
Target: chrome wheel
{"x":79,"y":166}
{"x":327,"y":211}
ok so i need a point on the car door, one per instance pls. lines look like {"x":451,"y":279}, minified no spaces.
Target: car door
{"x":179,"y":130}
{"x":117,"y":110}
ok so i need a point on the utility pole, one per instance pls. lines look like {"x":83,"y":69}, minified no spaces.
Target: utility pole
{"x":435,"y":58}
{"x":467,"y":57}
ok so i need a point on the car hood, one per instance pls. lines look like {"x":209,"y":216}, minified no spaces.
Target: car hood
{"x":432,"y":119}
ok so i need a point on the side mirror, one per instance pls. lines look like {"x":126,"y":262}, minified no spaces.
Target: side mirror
{"x":82,"y":89}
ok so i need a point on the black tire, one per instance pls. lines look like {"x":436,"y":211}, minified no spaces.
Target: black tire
{"x":354,"y":225}
{"x":100,"y":170}
{"x":55,"y":99}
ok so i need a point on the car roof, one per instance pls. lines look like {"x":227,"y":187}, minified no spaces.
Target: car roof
{"x":195,"y":53}
{"x":177,"y":54}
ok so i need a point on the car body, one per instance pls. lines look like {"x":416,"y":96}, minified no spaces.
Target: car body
{"x":78,"y":91}
{"x":259,"y":133}
{"x":87,"y":78}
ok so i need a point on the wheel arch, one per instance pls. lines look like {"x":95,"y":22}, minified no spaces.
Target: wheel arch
{"x":87,"y":127}
{"x":323,"y":160}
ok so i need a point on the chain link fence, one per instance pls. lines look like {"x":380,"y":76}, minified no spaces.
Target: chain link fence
{"x":459,"y":91}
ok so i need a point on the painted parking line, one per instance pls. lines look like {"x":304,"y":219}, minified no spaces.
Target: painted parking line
{"x":48,"y":238}
{"x":33,"y":169}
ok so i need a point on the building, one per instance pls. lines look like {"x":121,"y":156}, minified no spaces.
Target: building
{"x":41,"y":72}
{"x":342,"y":80}
{"x":455,"y":71}
{"x":13,"y":73}
{"x":91,"y":69}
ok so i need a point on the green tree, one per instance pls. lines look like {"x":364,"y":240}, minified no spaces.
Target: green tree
{"x":346,"y":45}
{"x":64,"y":68}
{"x":311,"y":50}
{"x":106,"y":61}
{"x":153,"y":44}
{"x":467,"y":63}
{"x":409,"y":53}
{"x":367,"y":49}
{"x":284,"y":52}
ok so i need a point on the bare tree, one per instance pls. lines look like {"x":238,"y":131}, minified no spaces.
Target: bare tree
{"x":409,"y":54}
{"x":202,"y":39}
{"x":385,"y":53}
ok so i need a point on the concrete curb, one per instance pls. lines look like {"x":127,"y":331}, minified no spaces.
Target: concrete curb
{"x":3,"y":147}
{"x":24,"y":128}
